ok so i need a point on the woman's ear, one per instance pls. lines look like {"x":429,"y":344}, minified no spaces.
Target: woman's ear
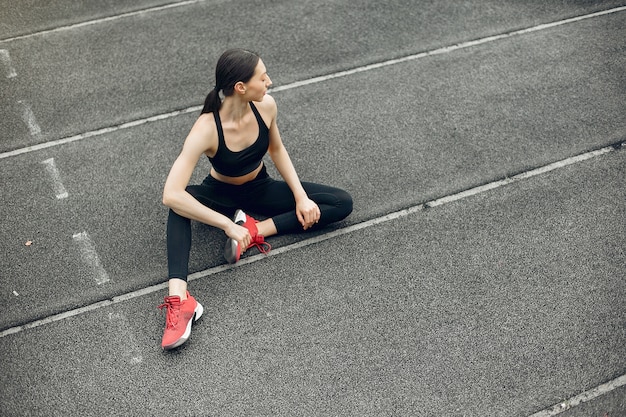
{"x":240,"y":88}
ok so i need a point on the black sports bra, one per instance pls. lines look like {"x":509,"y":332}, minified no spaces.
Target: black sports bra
{"x":236,"y":164}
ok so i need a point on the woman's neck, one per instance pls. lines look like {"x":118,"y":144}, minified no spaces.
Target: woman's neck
{"x":233,"y":109}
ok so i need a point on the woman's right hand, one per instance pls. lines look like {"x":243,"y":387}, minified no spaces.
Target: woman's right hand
{"x":240,"y":234}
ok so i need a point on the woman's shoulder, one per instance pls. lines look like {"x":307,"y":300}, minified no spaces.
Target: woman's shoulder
{"x":268,"y":104}
{"x":204,"y":132}
{"x":267,"y":108}
{"x":204,"y":125}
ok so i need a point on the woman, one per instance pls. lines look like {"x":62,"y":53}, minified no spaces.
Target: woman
{"x":235,"y":133}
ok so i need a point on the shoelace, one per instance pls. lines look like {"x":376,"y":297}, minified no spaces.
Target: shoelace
{"x":172,"y":313}
{"x":260,"y":243}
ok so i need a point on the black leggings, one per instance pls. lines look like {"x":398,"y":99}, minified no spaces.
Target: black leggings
{"x":263,"y":196}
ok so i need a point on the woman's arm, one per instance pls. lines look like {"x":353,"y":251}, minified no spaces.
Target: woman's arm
{"x":306,"y":209}
{"x":178,"y":199}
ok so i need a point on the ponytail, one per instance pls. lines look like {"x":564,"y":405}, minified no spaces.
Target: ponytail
{"x":212,"y":103}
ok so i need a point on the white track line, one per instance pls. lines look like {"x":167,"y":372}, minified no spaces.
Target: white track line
{"x":52,"y":170}
{"x":317,"y":239}
{"x":128,"y":345}
{"x":98,"y":132}
{"x":102,"y":20}
{"x":90,"y":257}
{"x":5,"y":60}
{"x":314,"y":80}
{"x":29,"y":118}
{"x":447,"y":49}
{"x":582,"y":397}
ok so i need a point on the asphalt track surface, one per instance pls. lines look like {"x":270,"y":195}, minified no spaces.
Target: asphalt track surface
{"x":482,"y":272}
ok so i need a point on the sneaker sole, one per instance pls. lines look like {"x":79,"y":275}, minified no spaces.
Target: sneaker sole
{"x":232,"y":252}
{"x":197,"y":314}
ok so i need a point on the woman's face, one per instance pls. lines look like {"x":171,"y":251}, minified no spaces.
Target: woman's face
{"x":259,"y":83}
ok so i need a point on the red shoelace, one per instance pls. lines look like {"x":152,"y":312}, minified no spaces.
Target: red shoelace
{"x":260,"y":243}
{"x":172,"y":313}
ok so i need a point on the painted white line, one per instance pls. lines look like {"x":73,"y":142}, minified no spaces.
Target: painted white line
{"x":102,"y":20}
{"x":518,"y":177}
{"x":90,"y":257}
{"x":439,"y":51}
{"x":130,"y":347}
{"x":98,"y":132}
{"x":313,"y":240}
{"x":29,"y":118}
{"x":445,"y":49}
{"x":59,"y":189}
{"x":5,"y":59}
{"x":56,"y":317}
{"x":582,"y":397}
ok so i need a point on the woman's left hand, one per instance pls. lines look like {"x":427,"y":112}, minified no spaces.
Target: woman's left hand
{"x":308,"y":212}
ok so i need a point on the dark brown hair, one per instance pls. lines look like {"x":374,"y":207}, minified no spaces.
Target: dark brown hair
{"x":233,"y":66}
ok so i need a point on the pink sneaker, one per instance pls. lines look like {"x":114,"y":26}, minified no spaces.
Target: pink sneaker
{"x":178,"y":319}
{"x":232,"y":249}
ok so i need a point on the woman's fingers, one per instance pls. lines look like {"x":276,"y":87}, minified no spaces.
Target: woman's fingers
{"x":241,"y":235}
{"x":308,"y":213}
{"x":310,"y":218}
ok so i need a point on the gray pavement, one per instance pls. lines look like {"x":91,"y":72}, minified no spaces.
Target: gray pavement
{"x":505,"y":302}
